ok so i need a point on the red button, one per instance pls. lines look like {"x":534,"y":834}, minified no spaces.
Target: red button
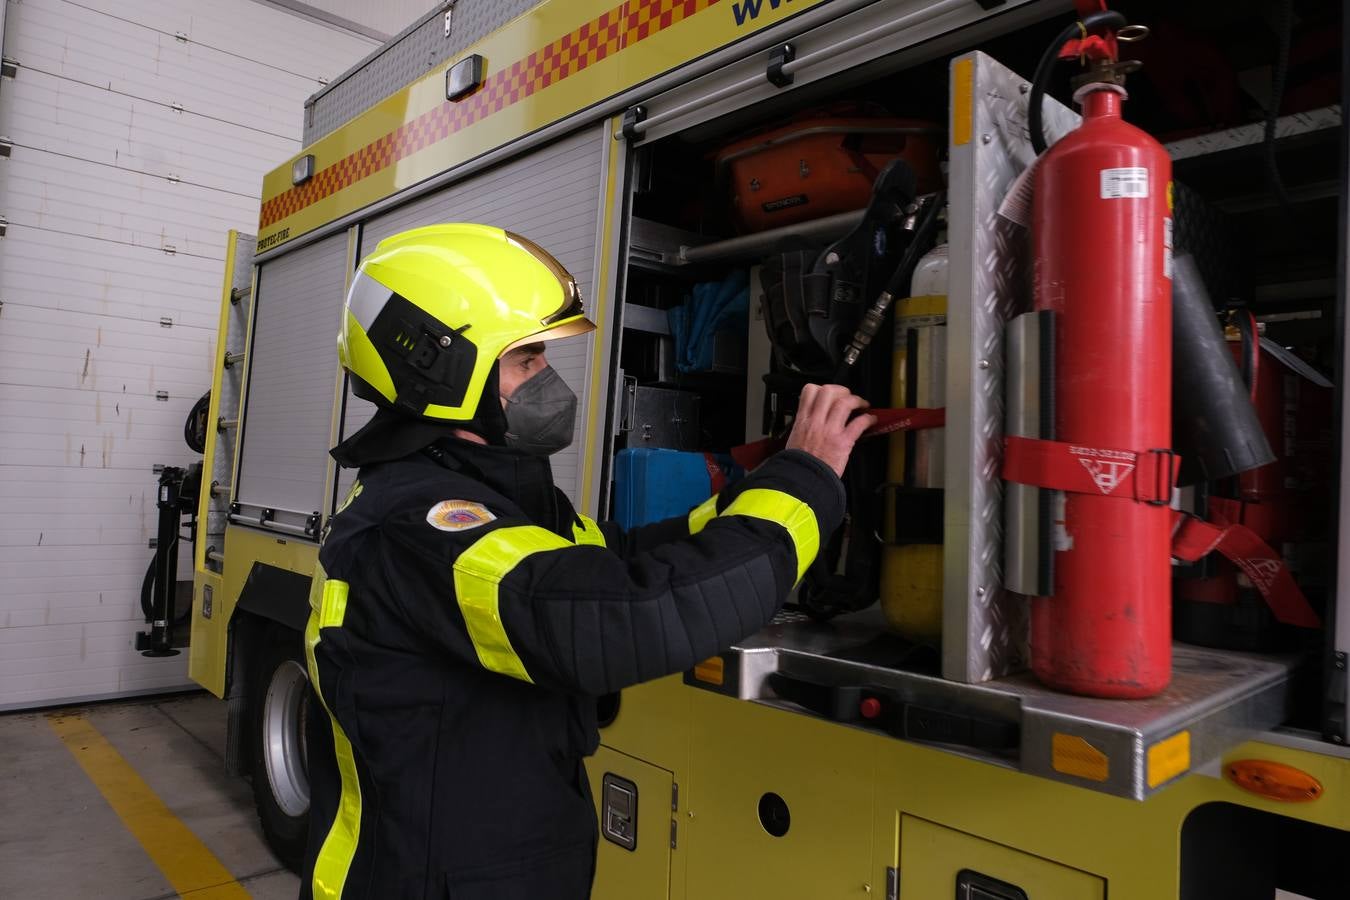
{"x":870,"y":708}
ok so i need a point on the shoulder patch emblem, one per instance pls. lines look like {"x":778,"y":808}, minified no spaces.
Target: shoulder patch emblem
{"x":458,"y":515}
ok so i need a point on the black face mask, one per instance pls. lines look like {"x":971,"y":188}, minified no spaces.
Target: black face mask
{"x":541,"y":414}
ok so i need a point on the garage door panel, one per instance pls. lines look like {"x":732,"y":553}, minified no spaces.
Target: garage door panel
{"x":133,"y":153}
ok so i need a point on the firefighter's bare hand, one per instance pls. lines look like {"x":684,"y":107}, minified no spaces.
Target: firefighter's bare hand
{"x":826,"y":425}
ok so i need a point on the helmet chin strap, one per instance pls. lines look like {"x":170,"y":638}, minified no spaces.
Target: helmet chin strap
{"x":392,"y":434}
{"x":489,"y":420}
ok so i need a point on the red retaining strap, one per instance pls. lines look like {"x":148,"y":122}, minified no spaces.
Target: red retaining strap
{"x":1147,"y":477}
{"x":748,"y":456}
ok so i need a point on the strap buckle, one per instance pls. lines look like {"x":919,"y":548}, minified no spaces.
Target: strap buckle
{"x":1164,"y":478}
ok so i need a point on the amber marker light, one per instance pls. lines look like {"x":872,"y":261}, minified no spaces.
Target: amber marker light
{"x":1274,"y":781}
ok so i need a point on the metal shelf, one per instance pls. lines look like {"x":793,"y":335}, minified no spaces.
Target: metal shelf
{"x":637,"y":317}
{"x":656,"y":247}
{"x":1216,"y":701}
{"x":1314,"y":120}
{"x":662,"y":248}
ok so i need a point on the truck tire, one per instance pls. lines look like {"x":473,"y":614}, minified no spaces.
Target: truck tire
{"x":280,"y":700}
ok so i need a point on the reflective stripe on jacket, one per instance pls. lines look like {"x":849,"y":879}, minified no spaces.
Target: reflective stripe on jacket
{"x":457,"y":646}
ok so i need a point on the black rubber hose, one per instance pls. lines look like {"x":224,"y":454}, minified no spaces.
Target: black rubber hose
{"x":1035,"y":124}
{"x":920,"y":243}
{"x":148,"y":597}
{"x":1215,"y":428}
{"x":194,"y":429}
{"x":147,"y":592}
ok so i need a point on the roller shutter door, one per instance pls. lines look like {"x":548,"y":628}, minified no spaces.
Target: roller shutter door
{"x":551,"y":196}
{"x":283,"y":450}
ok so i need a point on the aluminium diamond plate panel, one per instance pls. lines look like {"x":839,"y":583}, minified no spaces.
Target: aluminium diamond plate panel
{"x":1336,"y":711}
{"x":984,"y":627}
{"x":406,"y":58}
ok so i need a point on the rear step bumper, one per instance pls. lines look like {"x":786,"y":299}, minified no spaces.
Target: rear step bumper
{"x":846,"y":671}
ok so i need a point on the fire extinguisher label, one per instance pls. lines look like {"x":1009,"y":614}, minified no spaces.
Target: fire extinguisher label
{"x":1125,"y":184}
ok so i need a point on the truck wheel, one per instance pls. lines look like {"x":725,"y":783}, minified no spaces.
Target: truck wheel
{"x":278,"y":706}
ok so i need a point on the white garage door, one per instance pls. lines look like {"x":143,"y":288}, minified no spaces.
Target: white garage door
{"x":141,"y":130}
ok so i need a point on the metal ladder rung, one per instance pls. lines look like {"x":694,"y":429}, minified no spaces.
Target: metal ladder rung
{"x":237,"y":294}
{"x":224,"y":423}
{"x":220,"y":490}
{"x":232,"y":358}
{"x":215,"y":556}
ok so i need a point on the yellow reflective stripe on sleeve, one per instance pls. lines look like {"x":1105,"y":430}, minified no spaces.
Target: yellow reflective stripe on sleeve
{"x":333,"y":608}
{"x":339,"y":847}
{"x":478,"y":574}
{"x":785,"y":509}
{"x":702,"y":514}
{"x":587,"y":532}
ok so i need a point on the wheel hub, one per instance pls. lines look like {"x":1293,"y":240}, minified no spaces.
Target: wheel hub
{"x":283,"y":739}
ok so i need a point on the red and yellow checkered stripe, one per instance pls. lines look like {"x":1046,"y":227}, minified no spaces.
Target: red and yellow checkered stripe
{"x":613,"y":31}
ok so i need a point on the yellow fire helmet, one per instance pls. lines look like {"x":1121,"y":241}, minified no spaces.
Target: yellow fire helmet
{"x":432,"y":309}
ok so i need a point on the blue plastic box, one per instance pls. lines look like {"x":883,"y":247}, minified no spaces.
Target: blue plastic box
{"x":654,"y":484}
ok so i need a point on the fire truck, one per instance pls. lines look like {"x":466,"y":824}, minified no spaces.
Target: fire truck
{"x":1084,"y":632}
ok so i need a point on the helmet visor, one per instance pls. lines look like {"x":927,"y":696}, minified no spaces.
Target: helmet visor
{"x":565,"y":330}
{"x":571,"y":307}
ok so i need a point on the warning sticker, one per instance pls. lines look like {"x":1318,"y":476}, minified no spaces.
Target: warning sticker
{"x":1016,"y":205}
{"x":1108,"y":468}
{"x":1261,"y":572}
{"x":1106,"y":474}
{"x":1125,"y":184}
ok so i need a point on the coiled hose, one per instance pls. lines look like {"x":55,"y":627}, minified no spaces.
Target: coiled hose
{"x":194,"y":429}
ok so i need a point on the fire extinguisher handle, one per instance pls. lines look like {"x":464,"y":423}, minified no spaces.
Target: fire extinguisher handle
{"x":1041,"y":80}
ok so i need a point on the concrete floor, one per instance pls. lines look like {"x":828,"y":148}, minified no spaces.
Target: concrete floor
{"x":60,"y":838}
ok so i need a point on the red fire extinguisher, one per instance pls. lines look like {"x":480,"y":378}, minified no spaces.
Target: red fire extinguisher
{"x":1102,"y":244}
{"x":1278,"y":502}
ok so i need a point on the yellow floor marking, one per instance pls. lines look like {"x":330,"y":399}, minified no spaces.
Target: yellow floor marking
{"x":171,"y":845}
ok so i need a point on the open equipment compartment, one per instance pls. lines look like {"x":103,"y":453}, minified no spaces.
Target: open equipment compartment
{"x":970,"y":692}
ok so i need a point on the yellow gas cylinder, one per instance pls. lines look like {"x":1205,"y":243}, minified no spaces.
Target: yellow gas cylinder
{"x":911,"y":572}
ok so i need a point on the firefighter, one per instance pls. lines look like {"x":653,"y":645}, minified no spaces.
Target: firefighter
{"x":465,"y":618}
